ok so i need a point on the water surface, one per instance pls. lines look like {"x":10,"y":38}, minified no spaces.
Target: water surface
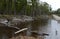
{"x":52,"y":28}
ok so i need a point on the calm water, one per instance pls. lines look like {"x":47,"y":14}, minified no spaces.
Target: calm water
{"x":52,"y":28}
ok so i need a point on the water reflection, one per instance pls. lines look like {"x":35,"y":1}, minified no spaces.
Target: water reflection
{"x":37,"y":23}
{"x":57,"y":27}
{"x":52,"y":27}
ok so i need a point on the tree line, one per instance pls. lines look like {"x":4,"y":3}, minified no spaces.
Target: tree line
{"x":57,"y":12}
{"x":24,"y":7}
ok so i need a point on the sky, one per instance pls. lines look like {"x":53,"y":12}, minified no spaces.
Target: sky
{"x":55,"y":4}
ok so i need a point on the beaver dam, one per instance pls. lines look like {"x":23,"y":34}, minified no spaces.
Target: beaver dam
{"x":17,"y":27}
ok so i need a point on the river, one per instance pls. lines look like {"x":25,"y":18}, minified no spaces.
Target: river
{"x":52,"y":28}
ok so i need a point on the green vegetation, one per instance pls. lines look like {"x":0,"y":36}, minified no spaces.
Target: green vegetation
{"x":56,"y":12}
{"x":11,"y":8}
{"x":24,"y":7}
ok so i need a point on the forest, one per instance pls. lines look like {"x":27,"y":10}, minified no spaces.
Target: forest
{"x":24,"y":7}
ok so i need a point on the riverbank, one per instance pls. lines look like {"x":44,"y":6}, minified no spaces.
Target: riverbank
{"x":23,"y":20}
{"x":22,"y":15}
